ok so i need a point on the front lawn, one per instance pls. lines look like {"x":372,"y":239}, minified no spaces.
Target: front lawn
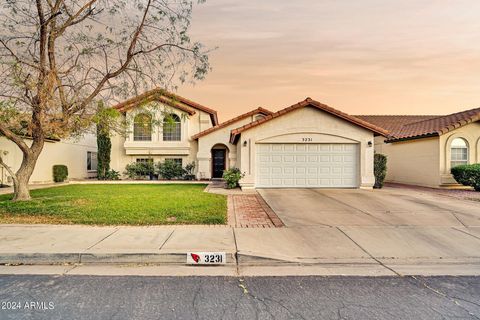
{"x":118,"y":204}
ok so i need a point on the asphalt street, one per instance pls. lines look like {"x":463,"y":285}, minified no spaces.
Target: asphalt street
{"x":91,"y":297}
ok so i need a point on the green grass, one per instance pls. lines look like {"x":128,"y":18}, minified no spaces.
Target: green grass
{"x":118,"y":204}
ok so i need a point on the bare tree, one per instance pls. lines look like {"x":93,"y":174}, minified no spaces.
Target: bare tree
{"x":58,"y":57}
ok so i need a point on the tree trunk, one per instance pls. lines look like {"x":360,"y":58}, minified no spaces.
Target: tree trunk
{"x":22,"y":176}
{"x":21,"y":191}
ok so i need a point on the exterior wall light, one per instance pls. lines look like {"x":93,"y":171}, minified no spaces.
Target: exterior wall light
{"x":369,"y":144}
{"x":245,"y":143}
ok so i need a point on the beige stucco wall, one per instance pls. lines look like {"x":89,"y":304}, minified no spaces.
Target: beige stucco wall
{"x":471,"y":134}
{"x":307,"y":122}
{"x":72,"y":153}
{"x":411,"y":162}
{"x":426,"y":162}
{"x":218,"y":137}
{"x":125,"y":150}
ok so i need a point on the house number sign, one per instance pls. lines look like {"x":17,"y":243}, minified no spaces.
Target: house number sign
{"x":307,"y":139}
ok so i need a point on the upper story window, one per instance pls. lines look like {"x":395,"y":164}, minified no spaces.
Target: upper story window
{"x":458,"y":152}
{"x":142,"y":127}
{"x":172,"y":128}
{"x":259,"y":117}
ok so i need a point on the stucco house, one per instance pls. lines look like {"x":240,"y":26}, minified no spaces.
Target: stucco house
{"x":422,"y":149}
{"x":305,"y":145}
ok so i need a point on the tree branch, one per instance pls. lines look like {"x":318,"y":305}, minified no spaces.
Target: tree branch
{"x":71,"y":20}
{"x":123,"y":66}
{"x":9,"y":134}
{"x":7,"y":167}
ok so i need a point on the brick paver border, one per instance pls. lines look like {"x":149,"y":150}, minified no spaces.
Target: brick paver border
{"x":251,"y":211}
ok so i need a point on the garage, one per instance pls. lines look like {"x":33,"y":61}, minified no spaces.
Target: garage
{"x":306,"y":145}
{"x":307,"y":165}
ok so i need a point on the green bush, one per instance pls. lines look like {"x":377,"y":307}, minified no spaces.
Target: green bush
{"x":60,"y":173}
{"x":188,"y":171}
{"x":468,"y":175}
{"x":139,"y":170}
{"x":112,"y":175}
{"x":232,"y":177}
{"x":170,"y":169}
{"x":104,"y":145}
{"x":379,"y":169}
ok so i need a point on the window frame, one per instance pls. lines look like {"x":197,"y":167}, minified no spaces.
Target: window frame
{"x":92,"y":162}
{"x":461,"y":154}
{"x":173,"y":134}
{"x":146,"y":131}
{"x":144,"y":160}
{"x":259,"y":117}
{"x":177,"y":160}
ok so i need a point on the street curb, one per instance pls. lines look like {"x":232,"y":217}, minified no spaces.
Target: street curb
{"x":39,"y":258}
{"x":171,"y":258}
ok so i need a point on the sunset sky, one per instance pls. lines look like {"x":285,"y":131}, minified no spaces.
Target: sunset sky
{"x":363,"y":57}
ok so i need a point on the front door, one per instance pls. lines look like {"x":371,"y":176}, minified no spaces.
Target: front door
{"x":218,"y":156}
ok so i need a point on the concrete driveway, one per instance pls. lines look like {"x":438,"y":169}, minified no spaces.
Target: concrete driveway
{"x":386,"y":207}
{"x":395,"y":230}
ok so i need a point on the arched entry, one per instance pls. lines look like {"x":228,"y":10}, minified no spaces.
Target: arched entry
{"x":219,"y":160}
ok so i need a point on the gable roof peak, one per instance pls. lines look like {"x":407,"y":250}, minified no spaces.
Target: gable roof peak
{"x":169,"y":98}
{"x":261,"y":110}
{"x":305,"y":103}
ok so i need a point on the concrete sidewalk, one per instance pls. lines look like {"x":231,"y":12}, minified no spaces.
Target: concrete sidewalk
{"x":315,"y":250}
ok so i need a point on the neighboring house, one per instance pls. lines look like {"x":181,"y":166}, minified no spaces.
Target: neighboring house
{"x":421,"y":150}
{"x":79,"y":155}
{"x":306,"y":145}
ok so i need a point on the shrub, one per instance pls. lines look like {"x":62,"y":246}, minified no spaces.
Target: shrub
{"x":139,"y":170}
{"x":188,"y":171}
{"x":170,"y":169}
{"x":60,"y":173}
{"x":232,"y":176}
{"x":379,"y":169}
{"x":104,"y":145}
{"x":112,"y":175}
{"x":468,"y":175}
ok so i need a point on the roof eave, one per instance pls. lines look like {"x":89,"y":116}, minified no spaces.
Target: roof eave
{"x":263,"y":111}
{"x":417,"y":137}
{"x":234,"y":137}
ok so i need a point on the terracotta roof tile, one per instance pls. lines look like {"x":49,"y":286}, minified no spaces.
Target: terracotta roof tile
{"x":228,"y":122}
{"x":414,"y":127}
{"x":309,"y":103}
{"x":169,"y":98}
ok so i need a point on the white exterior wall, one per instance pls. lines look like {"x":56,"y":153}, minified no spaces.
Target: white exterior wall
{"x":306,"y":122}
{"x":72,"y":153}
{"x":412,"y":162}
{"x":125,"y":150}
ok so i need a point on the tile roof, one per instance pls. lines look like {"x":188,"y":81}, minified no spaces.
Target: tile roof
{"x":233,"y":120}
{"x":308,"y":103}
{"x":169,"y":98}
{"x":414,"y":127}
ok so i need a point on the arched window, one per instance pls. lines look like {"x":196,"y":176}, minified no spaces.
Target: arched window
{"x":259,"y":117}
{"x":142,"y":127}
{"x":172,"y":128}
{"x":458,"y":152}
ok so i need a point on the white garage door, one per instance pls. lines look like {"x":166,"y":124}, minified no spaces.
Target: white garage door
{"x":292,"y":165}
